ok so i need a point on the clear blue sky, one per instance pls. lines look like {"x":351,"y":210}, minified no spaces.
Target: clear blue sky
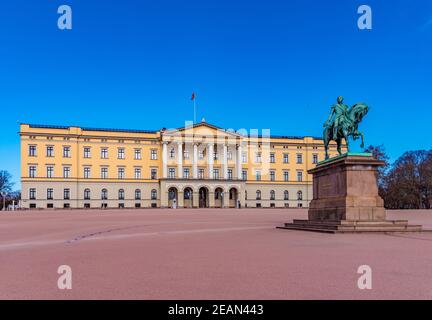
{"x":254,"y":64}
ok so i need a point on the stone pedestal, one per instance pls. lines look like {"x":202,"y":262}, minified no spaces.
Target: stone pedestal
{"x":345,"y":198}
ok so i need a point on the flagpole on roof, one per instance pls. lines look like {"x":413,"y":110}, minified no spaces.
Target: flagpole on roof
{"x":193,"y":98}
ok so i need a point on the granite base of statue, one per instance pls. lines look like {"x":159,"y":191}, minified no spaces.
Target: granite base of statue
{"x":346,"y":200}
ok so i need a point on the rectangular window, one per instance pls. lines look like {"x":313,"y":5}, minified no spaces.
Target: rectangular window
{"x":201,"y":174}
{"x":50,"y":151}
{"x":215,"y":155}
{"x":66,"y":152}
{"x":153,"y":174}
{"x":272,"y":158}
{"x":137,"y":154}
{"x":66,"y":172}
{"x":50,"y":193}
{"x":186,"y":154}
{"x":32,"y":193}
{"x":244,"y":157}
{"x":171,"y":173}
{"x":66,"y":194}
{"x":137,"y":173}
{"x":299,"y":158}
{"x":299,"y":176}
{"x":230,"y":174}
{"x":121,"y":173}
{"x":244,"y":175}
{"x":104,"y":153}
{"x":32,"y":171}
{"x":215,"y":173}
{"x":186,"y":173}
{"x":50,"y":171}
{"x":201,"y":155}
{"x":153,"y":154}
{"x":121,"y":153}
{"x":229,"y":155}
{"x":286,"y":176}
{"x":32,"y":151}
{"x":86,"y":172}
{"x":258,"y":175}
{"x":285,"y":158}
{"x":258,"y":157}
{"x":104,"y":173}
{"x":172,"y":153}
{"x":314,"y":158}
{"x":272,"y":175}
{"x":87,"y":153}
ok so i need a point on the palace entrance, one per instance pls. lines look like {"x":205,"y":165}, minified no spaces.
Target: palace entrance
{"x":203,"y":197}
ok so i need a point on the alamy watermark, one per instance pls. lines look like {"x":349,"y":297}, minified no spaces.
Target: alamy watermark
{"x":364,"y":22}
{"x":64,"y":282}
{"x":365,"y":280}
{"x":64,"y":22}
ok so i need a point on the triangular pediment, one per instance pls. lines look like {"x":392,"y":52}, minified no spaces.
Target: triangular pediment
{"x":202,"y":129}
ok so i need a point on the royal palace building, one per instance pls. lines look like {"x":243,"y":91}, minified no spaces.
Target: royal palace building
{"x":195,"y":166}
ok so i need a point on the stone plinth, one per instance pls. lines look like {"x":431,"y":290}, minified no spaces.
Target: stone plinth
{"x":345,"y":198}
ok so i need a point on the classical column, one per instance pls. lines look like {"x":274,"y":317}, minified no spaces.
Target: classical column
{"x":164,"y":160}
{"x":180,"y":160}
{"x":239,"y":161}
{"x":210,"y":160}
{"x":195,"y":161}
{"x":225,"y":161}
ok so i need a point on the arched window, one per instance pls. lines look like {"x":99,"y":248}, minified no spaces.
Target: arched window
{"x":154,"y":194}
{"x":104,"y":194}
{"x":299,"y":195}
{"x":121,"y":194}
{"x":86,"y":194}
{"x":272,"y":195}
{"x":286,"y":195}
{"x":137,"y":194}
{"x":258,"y":195}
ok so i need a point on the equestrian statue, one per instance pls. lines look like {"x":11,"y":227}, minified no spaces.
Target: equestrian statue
{"x":342,"y":123}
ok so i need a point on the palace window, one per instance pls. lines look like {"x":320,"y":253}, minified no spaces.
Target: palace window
{"x":299,"y":195}
{"x":104,"y":153}
{"x":244,"y":174}
{"x":32,"y":151}
{"x":299,"y":176}
{"x":201,"y":154}
{"x":201,"y":174}
{"x":153,"y":194}
{"x":186,"y":154}
{"x":104,"y":173}
{"x":86,"y":194}
{"x":258,"y":195}
{"x":285,"y":158}
{"x":299,"y":158}
{"x":215,"y":155}
{"x":229,"y":155}
{"x":258,"y":158}
{"x":137,"y":194}
{"x":244,"y":157}
{"x":314,"y":158}
{"x":172,"y":153}
{"x":286,"y":176}
{"x":32,"y":171}
{"x":286,"y":195}
{"x":50,"y":171}
{"x":104,"y":194}
{"x":272,"y":175}
{"x":171,"y":173}
{"x":32,"y":193}
{"x":258,"y":175}
{"x":186,"y":173}
{"x":66,"y":172}
{"x":230,"y":174}
{"x":66,"y":194}
{"x":86,"y":172}
{"x":215,"y":173}
{"x":66,"y":152}
{"x":121,"y":194}
{"x":121,"y":153}
{"x":50,"y":193}
{"x":137,"y":173}
{"x":272,"y":195}
{"x":153,"y":154}
{"x":137,"y":154}
{"x":50,"y":151}
{"x":87,"y":153}
{"x":121,"y":173}
{"x":272,"y":158}
{"x":153,"y":174}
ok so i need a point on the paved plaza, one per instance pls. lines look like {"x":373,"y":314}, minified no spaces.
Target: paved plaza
{"x":205,"y":254}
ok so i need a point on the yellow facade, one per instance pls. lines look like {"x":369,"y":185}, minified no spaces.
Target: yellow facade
{"x":72,"y":166}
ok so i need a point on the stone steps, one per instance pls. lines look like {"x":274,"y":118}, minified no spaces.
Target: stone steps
{"x":352,"y":226}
